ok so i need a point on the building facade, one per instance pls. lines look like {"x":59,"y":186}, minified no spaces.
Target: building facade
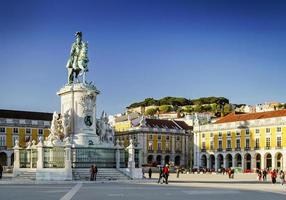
{"x":249,"y":141}
{"x":22,"y":126}
{"x":160,"y":141}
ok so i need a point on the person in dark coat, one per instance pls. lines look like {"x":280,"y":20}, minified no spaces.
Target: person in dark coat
{"x":91,"y":171}
{"x":95,"y":172}
{"x":1,"y":171}
{"x":160,"y":175}
{"x":150,"y":172}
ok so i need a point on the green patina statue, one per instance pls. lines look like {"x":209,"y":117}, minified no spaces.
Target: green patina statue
{"x":77,"y":63}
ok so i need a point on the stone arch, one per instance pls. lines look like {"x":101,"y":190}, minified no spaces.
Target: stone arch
{"x":279,"y":161}
{"x":268,"y":161}
{"x":177,"y":161}
{"x":158,"y":159}
{"x":219,"y":161}
{"x":3,"y":158}
{"x":167,"y":159}
{"x":228,"y":160}
{"x":237,"y":160}
{"x":258,"y":161}
{"x":204,"y":161}
{"x":212,"y":161}
{"x":247,"y":161}
{"x":150,"y":159}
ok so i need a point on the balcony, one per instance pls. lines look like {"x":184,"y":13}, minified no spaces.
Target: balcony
{"x":279,"y":147}
{"x":228,"y":149}
{"x":267,"y":147}
{"x":167,"y":151}
{"x":256,"y":148}
{"x":3,"y":147}
{"x":159,"y":151}
{"x":150,"y":151}
{"x":219,"y":149}
{"x":203,"y":150}
{"x":237,"y":149}
{"x":246,"y":148}
{"x":178,"y":151}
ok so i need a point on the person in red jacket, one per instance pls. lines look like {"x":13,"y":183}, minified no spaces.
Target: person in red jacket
{"x":166,"y":173}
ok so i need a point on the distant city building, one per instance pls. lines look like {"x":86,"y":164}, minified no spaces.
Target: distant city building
{"x":162,"y":141}
{"x":247,"y":141}
{"x":23,"y":126}
{"x":267,"y":106}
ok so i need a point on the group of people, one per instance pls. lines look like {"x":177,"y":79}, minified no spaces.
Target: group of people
{"x":164,"y":174}
{"x":93,"y":172}
{"x":262,"y":175}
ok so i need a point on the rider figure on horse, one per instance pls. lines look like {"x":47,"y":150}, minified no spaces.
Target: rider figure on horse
{"x":78,"y":58}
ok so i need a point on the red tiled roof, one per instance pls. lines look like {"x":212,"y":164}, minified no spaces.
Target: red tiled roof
{"x":164,"y":123}
{"x":234,"y":117}
{"x":15,"y":114}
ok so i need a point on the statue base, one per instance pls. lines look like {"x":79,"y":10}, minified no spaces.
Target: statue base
{"x":79,"y":99}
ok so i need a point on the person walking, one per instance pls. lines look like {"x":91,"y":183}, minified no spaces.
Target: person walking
{"x":150,"y":172}
{"x":91,"y":171}
{"x":1,"y":171}
{"x":95,"y":170}
{"x":166,"y":173}
{"x":160,"y":175}
{"x":273,"y":176}
{"x":178,"y":172}
{"x":264,"y":175}
{"x":282,"y":177}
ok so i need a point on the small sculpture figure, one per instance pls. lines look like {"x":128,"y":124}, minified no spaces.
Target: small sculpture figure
{"x":66,"y":119}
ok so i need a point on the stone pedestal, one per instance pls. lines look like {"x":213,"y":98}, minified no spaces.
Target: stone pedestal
{"x":79,"y":100}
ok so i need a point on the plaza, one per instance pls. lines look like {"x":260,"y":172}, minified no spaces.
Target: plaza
{"x":199,"y":186}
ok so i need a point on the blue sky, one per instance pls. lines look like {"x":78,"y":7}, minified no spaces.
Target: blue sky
{"x":140,"y":49}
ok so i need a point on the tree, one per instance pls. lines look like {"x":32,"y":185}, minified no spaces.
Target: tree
{"x":165,"y":108}
{"x":227,"y":109}
{"x":151,"y":112}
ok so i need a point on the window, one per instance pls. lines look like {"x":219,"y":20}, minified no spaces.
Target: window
{"x":28,"y":131}
{"x":167,"y":146}
{"x":220,"y":144}
{"x":247,"y":142}
{"x":2,"y":130}
{"x":14,"y":139}
{"x":268,"y":142}
{"x":228,"y":133}
{"x":278,"y":129}
{"x":27,"y":138}
{"x":237,"y":133}
{"x":2,"y":141}
{"x":212,"y":145}
{"x":237,"y":143}
{"x":203,"y":135}
{"x":257,"y":143}
{"x":40,"y":132}
{"x":257,"y":131}
{"x":228,"y":144}
{"x":267,"y":130}
{"x":15,"y":130}
{"x":167,"y":137}
{"x":159,"y":146}
{"x":159,"y":137}
{"x":150,"y":146}
{"x":203,"y":145}
{"x":178,"y":138}
{"x":247,"y":131}
{"x":279,"y":141}
{"x":219,"y":134}
{"x":150,"y":137}
{"x":211,"y":135}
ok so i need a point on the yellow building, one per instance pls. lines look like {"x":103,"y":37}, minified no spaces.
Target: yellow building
{"x":22,"y":126}
{"x":161,"y":141}
{"x":248,"y":141}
